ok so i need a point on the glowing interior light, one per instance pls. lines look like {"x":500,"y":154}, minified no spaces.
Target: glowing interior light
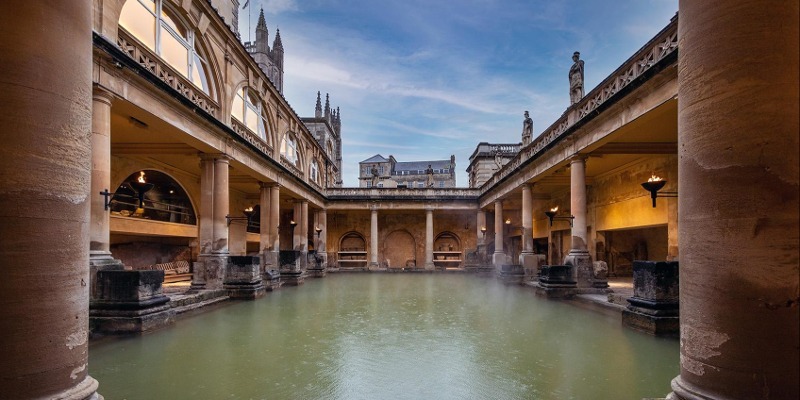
{"x":141,"y":177}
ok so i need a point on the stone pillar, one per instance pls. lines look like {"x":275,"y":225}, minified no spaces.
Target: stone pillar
{"x":45,"y":190}
{"x":264,"y":238}
{"x":205,"y":220}
{"x":303,"y":226}
{"x":429,"y":265}
{"x":481,"y":223}
{"x":322,"y":239}
{"x":221,"y":205}
{"x":527,"y":258}
{"x":274,"y":223}
{"x":214,"y":255}
{"x":672,"y":228}
{"x":738,"y":124}
{"x":578,"y":258}
{"x":296,"y":232}
{"x":373,"y":238}
{"x":499,"y":256}
{"x":99,"y":232}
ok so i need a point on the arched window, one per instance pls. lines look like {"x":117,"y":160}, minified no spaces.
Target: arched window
{"x":247,"y":110}
{"x":162,"y":200}
{"x":289,"y":148}
{"x":329,"y":147}
{"x":313,"y":171}
{"x":155,"y":25}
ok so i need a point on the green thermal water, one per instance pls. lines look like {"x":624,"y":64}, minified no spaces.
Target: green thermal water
{"x":390,"y":336}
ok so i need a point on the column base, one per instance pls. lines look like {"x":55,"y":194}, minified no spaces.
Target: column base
{"x":651,"y":324}
{"x":499,"y":259}
{"x":511,"y":275}
{"x":317,"y":267}
{"x":293,"y":278}
{"x":243,"y":279}
{"x":129,"y":302}
{"x":101,"y":261}
{"x":682,"y":391}
{"x":530,"y":264}
{"x":582,"y":268}
{"x":213,"y":271}
{"x":86,"y":390}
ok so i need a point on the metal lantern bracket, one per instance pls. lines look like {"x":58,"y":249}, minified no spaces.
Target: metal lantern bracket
{"x":106,"y":198}
{"x":551,"y":215}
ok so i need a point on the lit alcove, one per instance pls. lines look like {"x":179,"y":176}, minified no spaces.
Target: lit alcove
{"x":164,"y":201}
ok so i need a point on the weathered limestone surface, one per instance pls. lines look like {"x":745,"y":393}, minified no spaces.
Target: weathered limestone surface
{"x":739,"y":192}
{"x":654,"y":305}
{"x":45,"y":174}
{"x":129,"y":302}
{"x":243,"y":278}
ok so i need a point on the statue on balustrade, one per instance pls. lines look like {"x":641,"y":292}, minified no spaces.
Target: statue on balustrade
{"x":527,"y":129}
{"x":576,"y":79}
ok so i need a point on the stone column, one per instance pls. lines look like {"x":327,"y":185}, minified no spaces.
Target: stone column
{"x":373,"y":238}
{"x":296,"y":232}
{"x":45,"y":190}
{"x":264,"y":238}
{"x":216,"y":260}
{"x":303,"y":226}
{"x":738,"y":124}
{"x":322,"y":239}
{"x":499,"y":256}
{"x":221,"y":205}
{"x":481,"y":223}
{"x":205,"y":220}
{"x":527,"y":259}
{"x":582,"y":269}
{"x":99,"y":232}
{"x":274,"y":223}
{"x":429,"y":265}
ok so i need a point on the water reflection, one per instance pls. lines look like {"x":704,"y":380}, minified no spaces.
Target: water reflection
{"x":390,"y":336}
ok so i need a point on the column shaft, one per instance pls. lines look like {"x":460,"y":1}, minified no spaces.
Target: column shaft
{"x":480,"y":225}
{"x":738,"y":199}
{"x":99,"y":236}
{"x":429,"y":239}
{"x":45,"y":189}
{"x":221,"y":205}
{"x":265,"y":240}
{"x":527,"y":219}
{"x":303,"y":225}
{"x":322,"y":223}
{"x":275,"y":217}
{"x":297,"y":216}
{"x":206,"y":217}
{"x":578,"y":203}
{"x":499,"y":257}
{"x":373,"y":234}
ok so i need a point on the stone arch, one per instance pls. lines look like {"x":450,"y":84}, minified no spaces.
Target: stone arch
{"x":352,"y":241}
{"x":169,"y":200}
{"x":399,"y":249}
{"x":447,"y":241}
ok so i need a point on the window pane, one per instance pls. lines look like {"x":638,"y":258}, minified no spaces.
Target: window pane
{"x":199,"y":74}
{"x":251,"y":118}
{"x":238,"y":107}
{"x":170,"y":21}
{"x":139,"y":22}
{"x":174,"y":52}
{"x":262,"y":129}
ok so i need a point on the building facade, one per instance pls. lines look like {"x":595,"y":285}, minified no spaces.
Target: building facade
{"x":200,"y":158}
{"x":378,"y":171}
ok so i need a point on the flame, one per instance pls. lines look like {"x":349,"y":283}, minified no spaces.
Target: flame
{"x":248,"y":209}
{"x":508,"y":221}
{"x":554,"y":209}
{"x":655,"y":178}
{"x":141,"y":177}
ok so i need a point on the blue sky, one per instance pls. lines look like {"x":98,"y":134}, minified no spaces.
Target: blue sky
{"x":424,"y":79}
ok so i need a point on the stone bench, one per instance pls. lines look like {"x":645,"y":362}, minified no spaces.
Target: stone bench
{"x":175,"y":271}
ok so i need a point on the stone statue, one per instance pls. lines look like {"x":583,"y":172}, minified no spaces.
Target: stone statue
{"x":527,"y":129}
{"x":576,"y":79}
{"x":429,"y":181}
{"x":374,"y":172}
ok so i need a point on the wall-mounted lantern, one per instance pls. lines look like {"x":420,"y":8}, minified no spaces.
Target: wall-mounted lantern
{"x":483,"y":231}
{"x":551,"y":215}
{"x":318,"y":230}
{"x":248,"y":214}
{"x":653,"y":185}
{"x":140,"y":186}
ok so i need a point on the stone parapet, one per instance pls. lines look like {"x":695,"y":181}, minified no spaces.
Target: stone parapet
{"x":243,"y":278}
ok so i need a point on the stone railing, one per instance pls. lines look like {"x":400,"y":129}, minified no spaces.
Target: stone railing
{"x":251,"y":137}
{"x":164,"y":72}
{"x":291,"y":167}
{"x":658,"y":48}
{"x":504,"y":148}
{"x":430,"y":193}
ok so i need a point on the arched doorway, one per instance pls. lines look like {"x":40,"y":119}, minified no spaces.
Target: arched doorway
{"x":399,"y":250}
{"x":164,"y":201}
{"x":352,"y":251}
